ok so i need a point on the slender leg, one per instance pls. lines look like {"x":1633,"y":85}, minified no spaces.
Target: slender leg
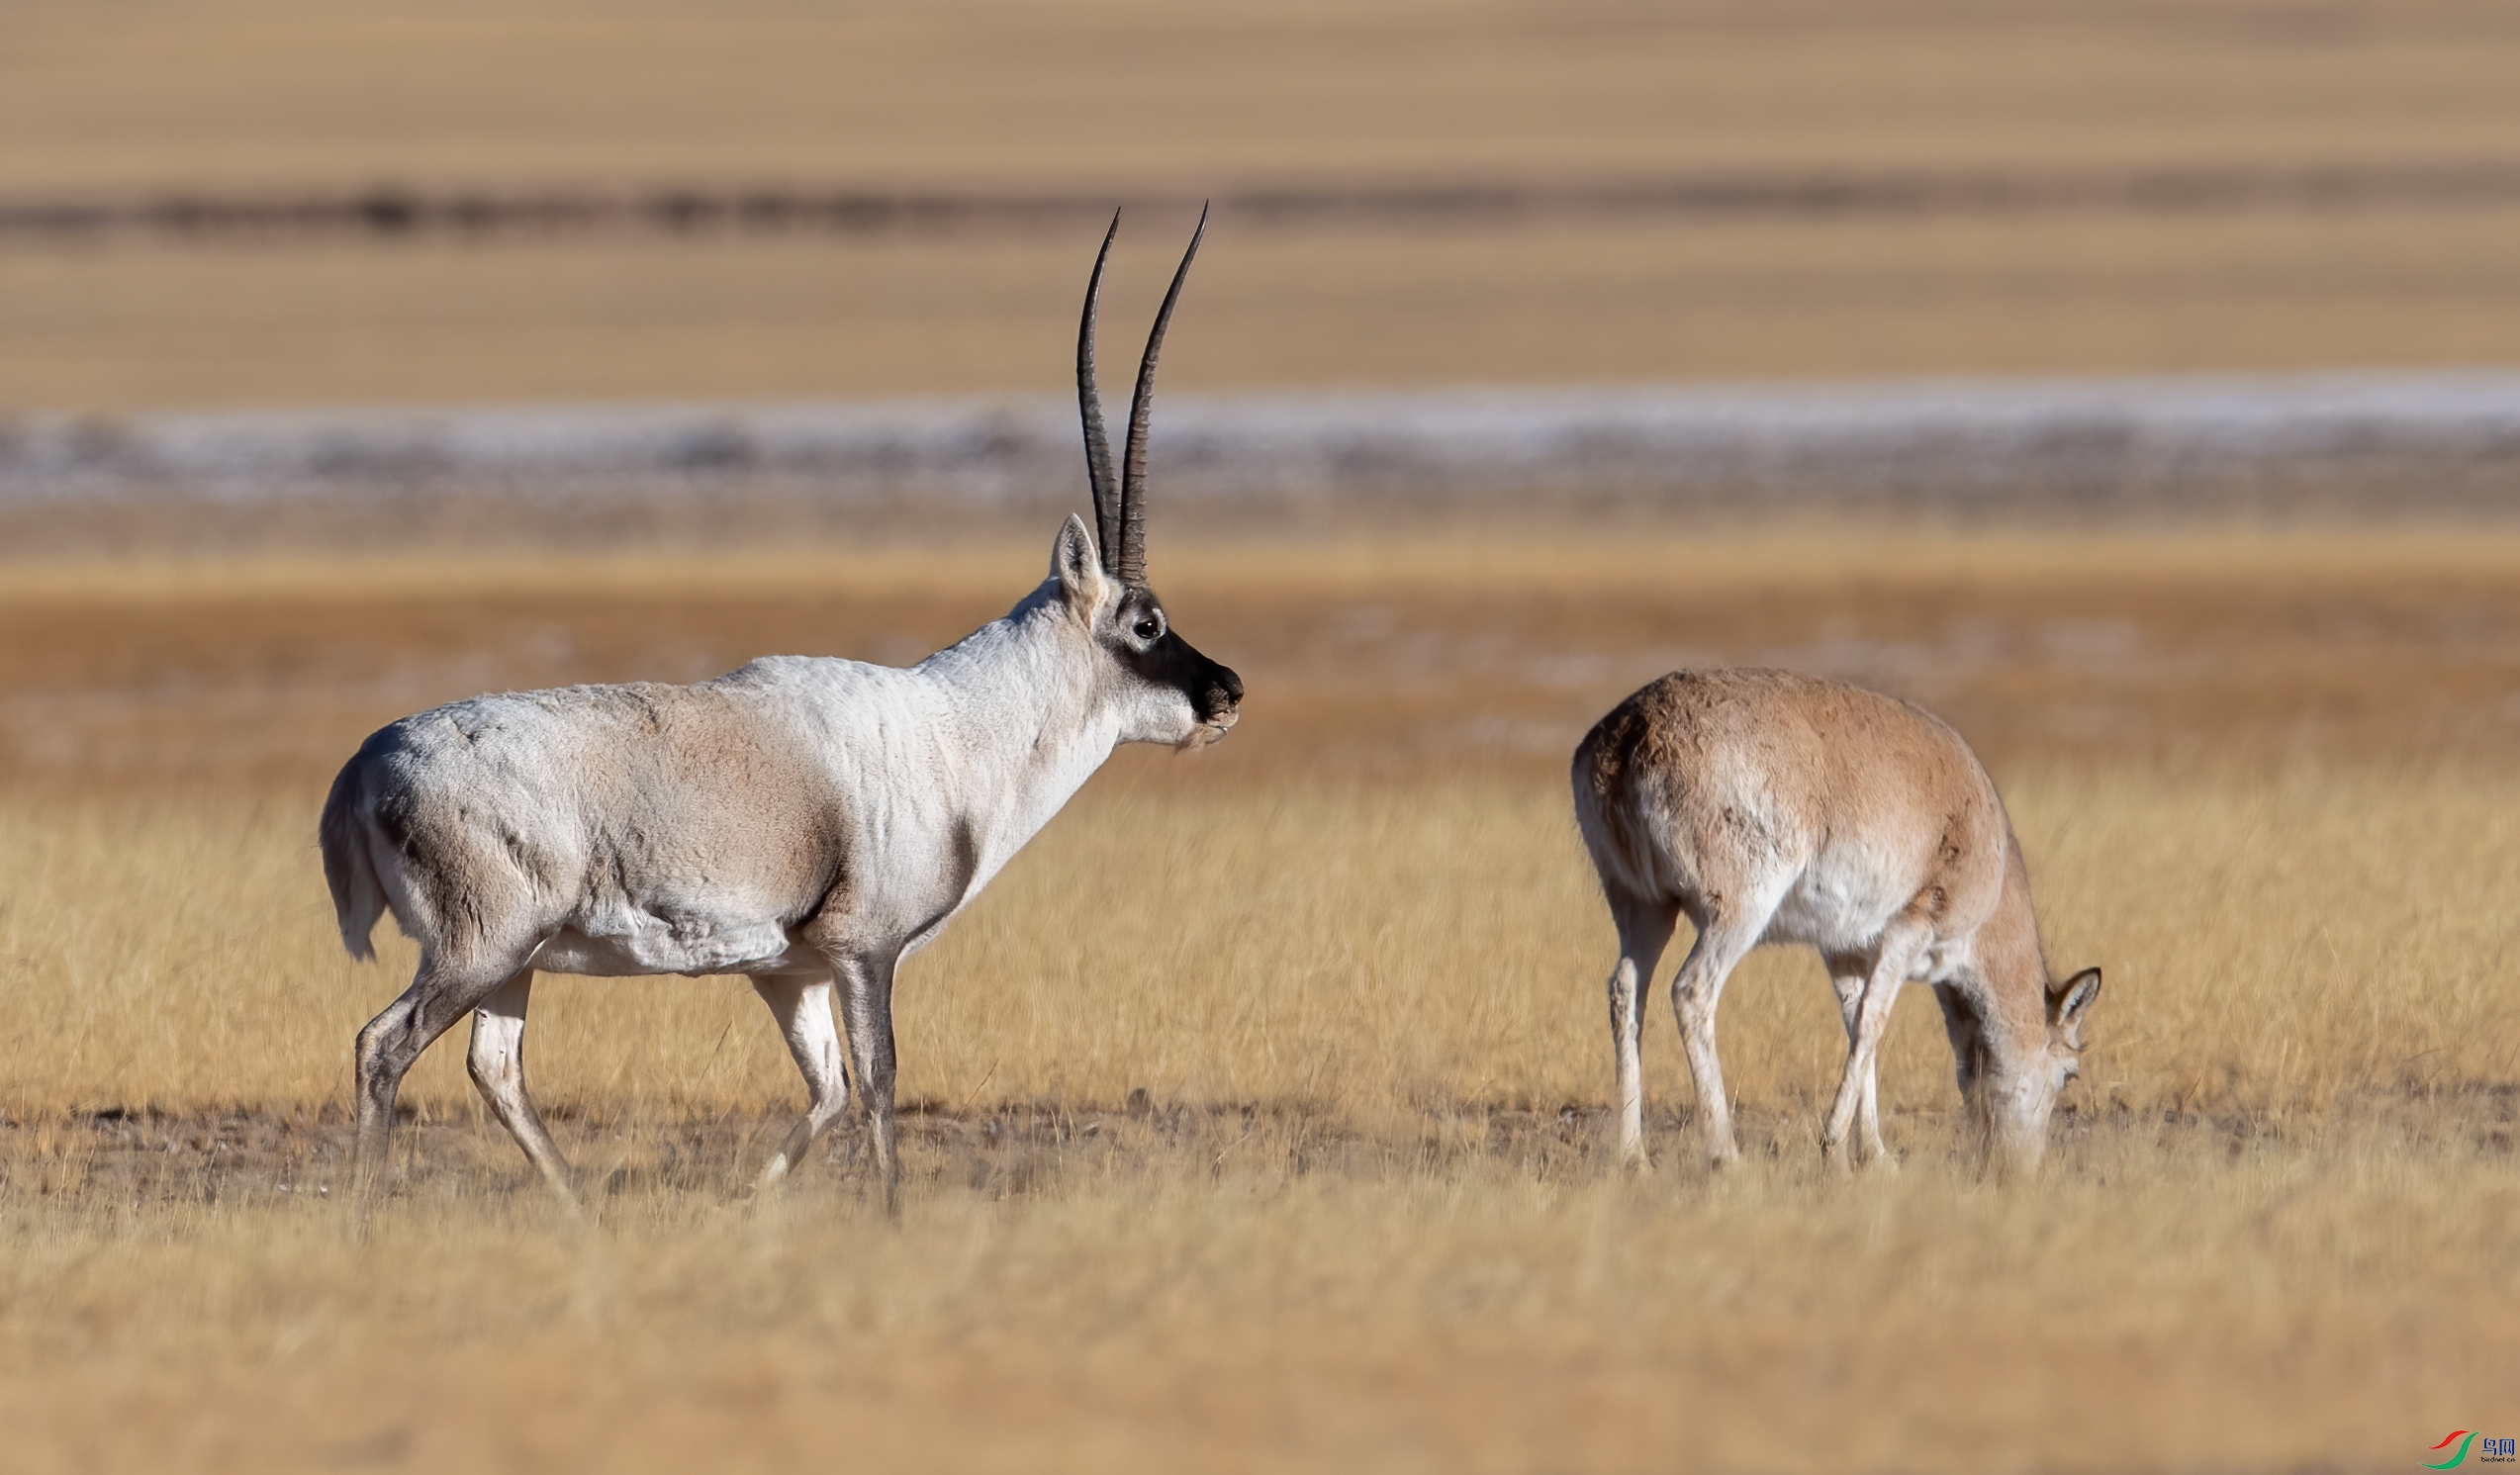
{"x":1902,"y":943}
{"x":1645,"y":930}
{"x":1969,"y":1062}
{"x":802,"y":1007}
{"x":1723,"y":940}
{"x":498,"y":1065}
{"x":444,"y":992}
{"x":1847,"y":973}
{"x":866,"y":1016}
{"x":1968,"y":1038}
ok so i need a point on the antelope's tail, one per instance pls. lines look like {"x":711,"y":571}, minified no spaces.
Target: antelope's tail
{"x":349,"y":867}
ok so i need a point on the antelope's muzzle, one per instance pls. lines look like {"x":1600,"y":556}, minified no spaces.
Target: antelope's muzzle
{"x":1221,"y":698}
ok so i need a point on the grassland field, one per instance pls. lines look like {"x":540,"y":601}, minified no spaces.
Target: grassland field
{"x":1286,"y":1148}
{"x":1284,"y":1151}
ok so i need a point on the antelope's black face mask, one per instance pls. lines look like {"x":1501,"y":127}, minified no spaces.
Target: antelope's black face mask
{"x":1141,"y":636}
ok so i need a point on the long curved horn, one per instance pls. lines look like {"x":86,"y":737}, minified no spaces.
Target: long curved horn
{"x":1131,"y":567}
{"x":1106,"y":496}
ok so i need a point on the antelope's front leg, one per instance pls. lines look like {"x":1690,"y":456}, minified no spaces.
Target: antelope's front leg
{"x":802,"y":1007}
{"x":1902,"y":943}
{"x":1849,"y":974}
{"x":866,"y":1017}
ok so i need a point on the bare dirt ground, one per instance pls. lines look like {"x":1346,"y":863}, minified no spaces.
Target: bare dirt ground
{"x":1029,"y":1150}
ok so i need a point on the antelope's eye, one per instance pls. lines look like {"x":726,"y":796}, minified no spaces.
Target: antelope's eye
{"x":1149,"y":629}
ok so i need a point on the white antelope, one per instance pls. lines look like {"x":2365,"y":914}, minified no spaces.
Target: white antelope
{"x":1776,"y":808}
{"x":804,"y":821}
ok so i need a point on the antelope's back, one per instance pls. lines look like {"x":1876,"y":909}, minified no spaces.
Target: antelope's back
{"x":590,"y":800}
{"x":1751,"y":767}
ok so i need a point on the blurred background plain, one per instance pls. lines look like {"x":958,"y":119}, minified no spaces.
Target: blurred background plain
{"x":2246,"y":184}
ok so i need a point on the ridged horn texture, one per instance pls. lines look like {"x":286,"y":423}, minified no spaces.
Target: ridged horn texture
{"x":1132,"y":565}
{"x":1106,"y":496}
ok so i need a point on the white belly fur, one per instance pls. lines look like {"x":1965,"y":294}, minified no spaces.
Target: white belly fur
{"x":633,"y":944}
{"x":628,"y":942}
{"x":1836,"y":908}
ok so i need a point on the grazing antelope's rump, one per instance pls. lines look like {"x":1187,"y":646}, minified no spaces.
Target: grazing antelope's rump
{"x":1774,"y":807}
{"x":804,"y":821}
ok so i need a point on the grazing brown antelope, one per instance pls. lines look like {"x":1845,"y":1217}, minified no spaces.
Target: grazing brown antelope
{"x":804,"y":821}
{"x":1771,"y":808}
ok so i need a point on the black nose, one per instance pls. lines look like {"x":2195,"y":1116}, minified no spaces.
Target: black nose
{"x":1224,"y":690}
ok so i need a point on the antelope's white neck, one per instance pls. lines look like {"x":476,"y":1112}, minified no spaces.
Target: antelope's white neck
{"x":1025,"y":723}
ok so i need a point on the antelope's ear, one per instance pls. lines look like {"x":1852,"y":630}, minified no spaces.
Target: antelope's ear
{"x":1077,"y":567}
{"x":2072,"y":999}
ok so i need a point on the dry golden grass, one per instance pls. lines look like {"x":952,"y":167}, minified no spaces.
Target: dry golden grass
{"x":1361,"y":1216}
{"x":1377,"y":952}
{"x":2172,"y":1298}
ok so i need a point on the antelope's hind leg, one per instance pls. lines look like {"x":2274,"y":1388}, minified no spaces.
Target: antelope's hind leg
{"x":497,"y":1061}
{"x":1645,"y":930}
{"x":1724,"y":938}
{"x":444,"y":991}
{"x":802,"y":1007}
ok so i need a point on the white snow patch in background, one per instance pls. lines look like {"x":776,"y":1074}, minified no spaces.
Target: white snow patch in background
{"x":2081,"y":436}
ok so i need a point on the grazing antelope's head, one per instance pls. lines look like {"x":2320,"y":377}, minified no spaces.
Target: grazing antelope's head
{"x":2023,"y":1096}
{"x":1165,"y":691}
{"x":2067,"y":1005}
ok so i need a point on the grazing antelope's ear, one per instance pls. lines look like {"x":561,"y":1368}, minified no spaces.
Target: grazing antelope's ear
{"x":2072,"y":999}
{"x":1078,"y":568}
